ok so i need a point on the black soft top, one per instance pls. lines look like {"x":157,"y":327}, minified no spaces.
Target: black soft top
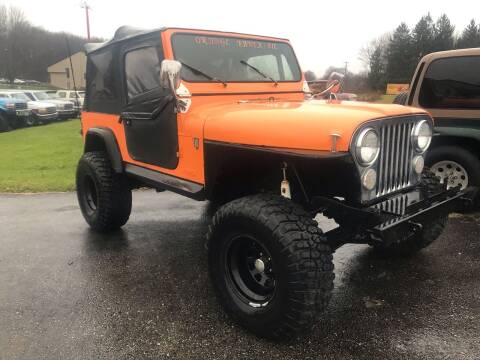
{"x":123,"y":33}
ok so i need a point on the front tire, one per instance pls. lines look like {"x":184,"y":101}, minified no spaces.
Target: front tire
{"x":270,"y":265}
{"x":455,"y":166}
{"x":4,"y":125}
{"x":431,"y":229}
{"x":104,"y":196}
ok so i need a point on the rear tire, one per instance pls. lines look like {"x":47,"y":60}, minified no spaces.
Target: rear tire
{"x":104,"y":196}
{"x":293,"y":282}
{"x":4,"y":125}
{"x":401,"y":99}
{"x":432,"y":229}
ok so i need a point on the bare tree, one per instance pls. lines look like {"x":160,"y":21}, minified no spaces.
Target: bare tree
{"x":374,"y":57}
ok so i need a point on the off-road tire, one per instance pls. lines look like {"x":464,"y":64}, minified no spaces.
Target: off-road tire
{"x":431,"y":230}
{"x":469,"y":161}
{"x":4,"y":125}
{"x":30,"y":121}
{"x":401,"y":98}
{"x":302,"y":259}
{"x":113,"y":197}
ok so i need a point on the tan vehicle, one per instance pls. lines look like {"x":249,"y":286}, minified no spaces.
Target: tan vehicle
{"x":447,"y":84}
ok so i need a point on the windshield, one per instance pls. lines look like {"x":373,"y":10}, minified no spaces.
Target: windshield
{"x":20,"y":96}
{"x":42,"y":96}
{"x":53,"y":95}
{"x":233,"y":59}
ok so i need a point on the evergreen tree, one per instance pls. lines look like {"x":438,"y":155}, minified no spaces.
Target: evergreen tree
{"x":423,"y":37}
{"x":470,"y":36}
{"x":401,"y":61}
{"x":444,"y":38}
{"x":376,"y":75}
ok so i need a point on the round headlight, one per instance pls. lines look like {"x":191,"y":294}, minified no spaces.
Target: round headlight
{"x":367,"y":147}
{"x":422,"y":135}
{"x":418,"y":164}
{"x":369,"y":179}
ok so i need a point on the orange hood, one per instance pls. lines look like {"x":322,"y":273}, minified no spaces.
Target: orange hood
{"x":306,"y":125}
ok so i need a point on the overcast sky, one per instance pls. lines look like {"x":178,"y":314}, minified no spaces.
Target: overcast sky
{"x":322,"y":32}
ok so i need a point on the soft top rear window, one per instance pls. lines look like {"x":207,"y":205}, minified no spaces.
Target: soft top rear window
{"x":231,"y":59}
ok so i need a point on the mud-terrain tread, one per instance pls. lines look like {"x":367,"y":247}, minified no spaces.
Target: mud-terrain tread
{"x":401,"y":98}
{"x":431,"y":231}
{"x":311,"y":282}
{"x":114,"y":197}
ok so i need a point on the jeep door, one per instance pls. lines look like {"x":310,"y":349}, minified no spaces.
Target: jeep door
{"x":148,"y":115}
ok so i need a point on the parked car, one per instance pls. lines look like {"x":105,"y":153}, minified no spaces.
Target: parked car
{"x":447,"y":84}
{"x":77,"y":97}
{"x":13,"y":113}
{"x":41,"y":112}
{"x":65,"y":108}
{"x":222,"y":117}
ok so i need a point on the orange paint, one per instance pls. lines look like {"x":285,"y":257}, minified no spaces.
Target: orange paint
{"x":259,"y":114}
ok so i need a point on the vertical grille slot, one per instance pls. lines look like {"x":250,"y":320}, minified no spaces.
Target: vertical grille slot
{"x":394,"y":167}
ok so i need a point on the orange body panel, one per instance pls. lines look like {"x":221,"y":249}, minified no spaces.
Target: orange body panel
{"x":262,"y":114}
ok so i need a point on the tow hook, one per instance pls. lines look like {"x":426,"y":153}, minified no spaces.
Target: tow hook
{"x":415,"y":227}
{"x":285,"y":185}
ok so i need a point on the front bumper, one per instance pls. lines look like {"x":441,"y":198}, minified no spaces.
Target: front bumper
{"x":394,"y":219}
{"x":66,"y":113}
{"x":45,"y":117}
{"x":405,"y":217}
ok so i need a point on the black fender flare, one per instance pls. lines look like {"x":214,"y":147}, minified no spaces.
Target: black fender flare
{"x":98,"y":139}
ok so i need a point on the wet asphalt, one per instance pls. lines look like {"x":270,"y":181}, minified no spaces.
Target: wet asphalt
{"x":144,"y":291}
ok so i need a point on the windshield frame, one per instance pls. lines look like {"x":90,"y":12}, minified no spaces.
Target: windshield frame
{"x":246,"y":37}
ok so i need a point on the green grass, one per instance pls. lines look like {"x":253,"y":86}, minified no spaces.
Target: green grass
{"x":40,"y":158}
{"x":386,"y":99}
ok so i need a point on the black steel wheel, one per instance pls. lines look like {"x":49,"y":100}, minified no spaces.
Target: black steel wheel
{"x":270,"y":265}
{"x":249,"y":269}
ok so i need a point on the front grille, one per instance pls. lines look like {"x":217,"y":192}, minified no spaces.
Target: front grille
{"x":396,"y":153}
{"x":51,"y":110}
{"x":20,"y":106}
{"x":68,"y":106}
{"x":397,"y":205}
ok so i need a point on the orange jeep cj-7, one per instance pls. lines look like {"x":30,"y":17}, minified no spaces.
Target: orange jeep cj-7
{"x":228,"y":118}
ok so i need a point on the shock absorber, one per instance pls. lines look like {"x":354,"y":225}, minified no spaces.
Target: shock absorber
{"x":285,"y":185}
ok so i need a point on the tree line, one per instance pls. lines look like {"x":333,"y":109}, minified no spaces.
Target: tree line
{"x":392,"y":58}
{"x":27,"y":50}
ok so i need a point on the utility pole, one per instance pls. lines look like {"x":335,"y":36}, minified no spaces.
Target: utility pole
{"x":85,"y":6}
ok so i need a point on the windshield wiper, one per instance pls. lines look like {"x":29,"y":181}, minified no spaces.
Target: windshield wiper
{"x":259,"y":71}
{"x":199,"y":72}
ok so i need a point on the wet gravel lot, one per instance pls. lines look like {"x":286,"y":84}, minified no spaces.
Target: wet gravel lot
{"x":144,"y":292}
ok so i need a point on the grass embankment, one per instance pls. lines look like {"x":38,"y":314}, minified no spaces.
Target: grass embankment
{"x":386,"y":99}
{"x":40,"y":158}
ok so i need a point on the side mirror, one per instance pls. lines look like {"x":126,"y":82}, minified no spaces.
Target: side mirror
{"x":170,"y":75}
